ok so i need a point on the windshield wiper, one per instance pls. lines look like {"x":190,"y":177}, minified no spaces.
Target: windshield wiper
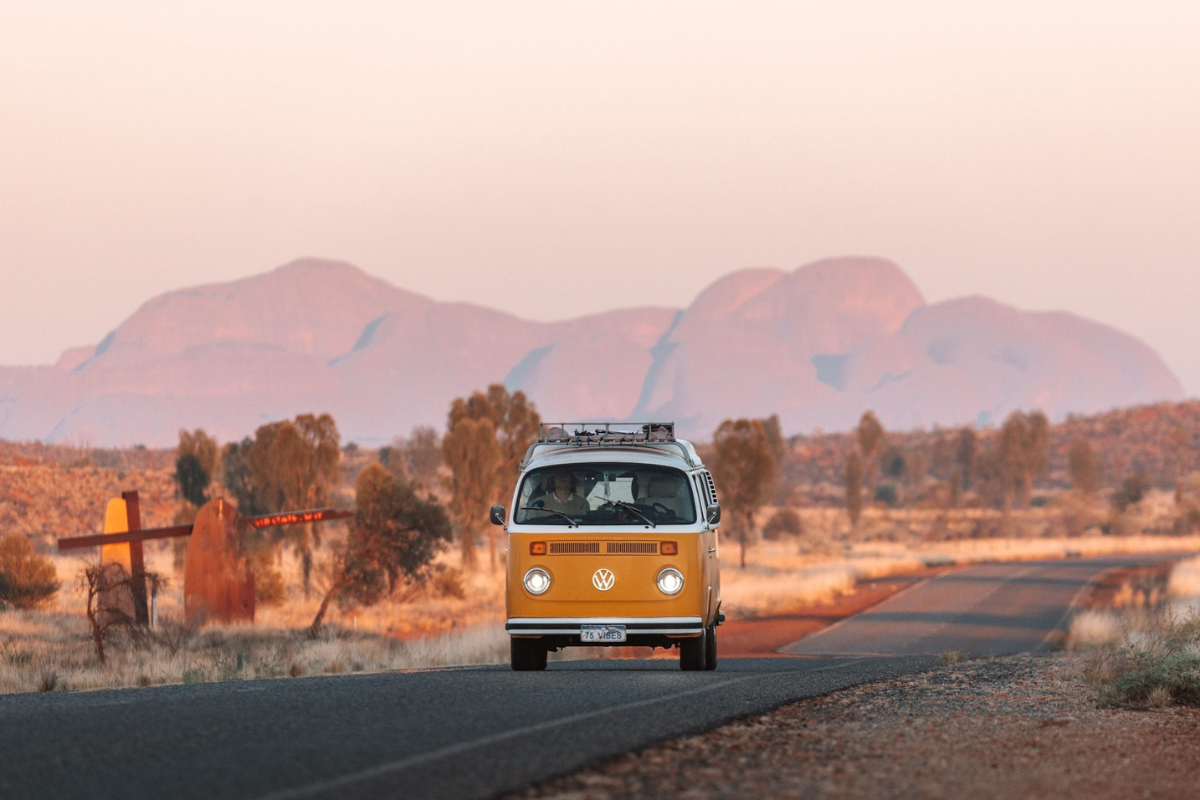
{"x":570,"y":521}
{"x":630,"y":508}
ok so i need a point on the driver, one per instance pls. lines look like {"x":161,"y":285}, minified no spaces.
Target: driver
{"x":561,"y":497}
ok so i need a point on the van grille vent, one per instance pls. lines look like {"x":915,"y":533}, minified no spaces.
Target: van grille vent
{"x":573,"y":548}
{"x":633,"y":548}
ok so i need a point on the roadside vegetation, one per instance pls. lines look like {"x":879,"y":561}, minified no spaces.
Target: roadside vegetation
{"x":805,"y":519}
{"x":1145,"y":651}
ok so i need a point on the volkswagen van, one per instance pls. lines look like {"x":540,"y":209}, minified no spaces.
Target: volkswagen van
{"x":612,"y":541}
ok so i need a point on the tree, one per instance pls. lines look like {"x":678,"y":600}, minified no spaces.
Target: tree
{"x":1010,"y":457}
{"x":743,"y":465}
{"x":917,"y":468}
{"x":944,"y":462}
{"x":1087,"y":471}
{"x":854,"y":488}
{"x":196,"y":464}
{"x":954,"y":496}
{"x":391,"y":458}
{"x":870,"y":445}
{"x":27,"y":579}
{"x":1037,"y":454}
{"x":423,"y":455}
{"x":294,"y":464}
{"x":395,"y":535}
{"x":486,"y":437}
{"x":965,"y":454}
{"x":238,"y":478}
{"x":1179,"y":449}
{"x":779,"y":450}
{"x":1023,"y":455}
{"x":1132,"y":490}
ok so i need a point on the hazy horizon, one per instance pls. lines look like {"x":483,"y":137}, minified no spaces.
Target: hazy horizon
{"x":553,"y":161}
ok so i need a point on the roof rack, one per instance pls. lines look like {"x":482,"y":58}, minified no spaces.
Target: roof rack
{"x":608,"y":434}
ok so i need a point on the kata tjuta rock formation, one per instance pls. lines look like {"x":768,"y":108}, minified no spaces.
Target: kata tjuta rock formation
{"x":817,"y":345}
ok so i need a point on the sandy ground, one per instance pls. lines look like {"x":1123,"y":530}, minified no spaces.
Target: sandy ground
{"x":1019,"y":728}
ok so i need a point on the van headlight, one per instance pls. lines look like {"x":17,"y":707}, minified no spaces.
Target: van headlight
{"x":670,"y":581}
{"x":537,"y":581}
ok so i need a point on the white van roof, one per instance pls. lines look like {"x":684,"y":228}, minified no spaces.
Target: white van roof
{"x":573,"y":442}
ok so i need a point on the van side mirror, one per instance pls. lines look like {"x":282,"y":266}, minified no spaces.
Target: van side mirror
{"x":497,"y":514}
{"x":714,"y":514}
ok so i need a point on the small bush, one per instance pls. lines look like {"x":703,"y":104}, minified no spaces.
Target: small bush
{"x":784,"y":523}
{"x":1132,"y":490}
{"x":886,"y":493}
{"x":448,"y":582}
{"x":269,"y":589}
{"x":27,"y":579}
{"x":1159,"y":670}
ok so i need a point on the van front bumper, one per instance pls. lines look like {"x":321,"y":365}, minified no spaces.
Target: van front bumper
{"x":634,"y":626}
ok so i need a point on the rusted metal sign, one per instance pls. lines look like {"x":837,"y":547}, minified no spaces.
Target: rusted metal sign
{"x":297,"y":517}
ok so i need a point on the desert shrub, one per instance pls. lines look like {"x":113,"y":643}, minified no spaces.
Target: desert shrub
{"x":394,"y":538}
{"x":886,"y":493}
{"x":1153,"y":671}
{"x":448,"y":582}
{"x":783,"y":524}
{"x":269,"y":588}
{"x":1132,"y":490}
{"x":27,"y":579}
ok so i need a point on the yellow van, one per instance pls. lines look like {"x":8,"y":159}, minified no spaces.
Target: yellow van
{"x":612,"y":541}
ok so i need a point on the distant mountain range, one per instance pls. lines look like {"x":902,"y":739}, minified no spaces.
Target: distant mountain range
{"x":817,"y":345}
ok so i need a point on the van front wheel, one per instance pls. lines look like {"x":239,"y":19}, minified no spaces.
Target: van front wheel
{"x":693,"y":652}
{"x":527,"y":655}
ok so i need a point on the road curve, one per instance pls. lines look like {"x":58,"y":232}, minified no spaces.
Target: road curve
{"x":475,"y":733}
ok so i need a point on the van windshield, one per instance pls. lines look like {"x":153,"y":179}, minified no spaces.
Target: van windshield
{"x":605,"y":494}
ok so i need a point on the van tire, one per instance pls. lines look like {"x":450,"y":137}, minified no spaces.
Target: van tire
{"x":527,"y":655}
{"x":692,"y":653}
{"x":710,"y":648}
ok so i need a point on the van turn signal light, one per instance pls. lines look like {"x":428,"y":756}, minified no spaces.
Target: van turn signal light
{"x":537,"y":548}
{"x":669,"y":548}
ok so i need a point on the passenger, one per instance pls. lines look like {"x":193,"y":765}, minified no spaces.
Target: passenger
{"x":562,"y":497}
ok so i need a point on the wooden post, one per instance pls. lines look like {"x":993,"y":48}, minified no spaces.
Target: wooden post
{"x":137,"y":561}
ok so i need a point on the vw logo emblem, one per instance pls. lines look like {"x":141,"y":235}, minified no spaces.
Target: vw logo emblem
{"x":603,"y":579}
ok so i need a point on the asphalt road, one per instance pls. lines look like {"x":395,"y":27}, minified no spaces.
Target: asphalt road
{"x":982,"y":610}
{"x":475,"y":733}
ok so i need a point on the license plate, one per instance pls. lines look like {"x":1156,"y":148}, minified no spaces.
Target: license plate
{"x":601,"y":633}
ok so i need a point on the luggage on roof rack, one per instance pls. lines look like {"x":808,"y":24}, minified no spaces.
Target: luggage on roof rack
{"x":606,"y":433}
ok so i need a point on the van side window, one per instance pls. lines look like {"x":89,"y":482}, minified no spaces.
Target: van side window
{"x":710,"y":487}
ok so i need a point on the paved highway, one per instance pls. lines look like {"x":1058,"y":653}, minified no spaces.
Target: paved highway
{"x":983,"y":610}
{"x":474,"y":733}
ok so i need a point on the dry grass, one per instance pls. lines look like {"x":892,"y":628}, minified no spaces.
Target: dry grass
{"x":52,"y":649}
{"x":1147,"y":655}
{"x":953,"y":656}
{"x":1095,"y":628}
{"x":48,"y":651}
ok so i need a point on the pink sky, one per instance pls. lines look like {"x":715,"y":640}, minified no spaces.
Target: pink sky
{"x":1047,"y":155}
